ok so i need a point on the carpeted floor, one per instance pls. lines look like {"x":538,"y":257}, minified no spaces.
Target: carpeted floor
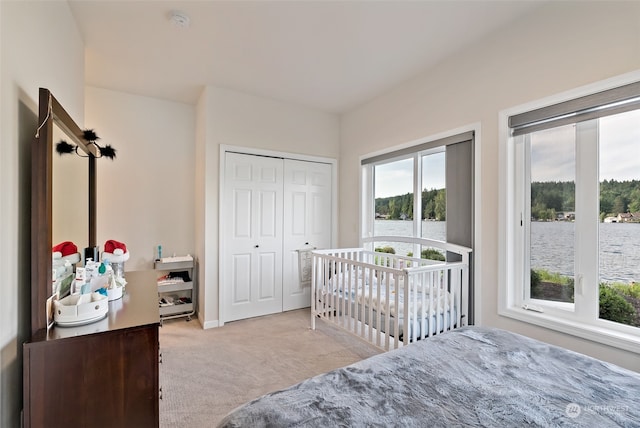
{"x":207,"y":373}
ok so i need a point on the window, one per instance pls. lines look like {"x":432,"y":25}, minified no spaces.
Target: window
{"x":441,"y":173}
{"x":550,"y":210}
{"x":434,"y":196}
{"x":394,"y":202}
{"x":570,"y":258}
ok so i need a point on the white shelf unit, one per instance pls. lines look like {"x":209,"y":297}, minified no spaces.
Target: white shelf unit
{"x":177,"y":290}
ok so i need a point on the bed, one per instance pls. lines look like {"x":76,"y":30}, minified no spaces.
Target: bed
{"x":387,"y":299}
{"x":471,"y":376}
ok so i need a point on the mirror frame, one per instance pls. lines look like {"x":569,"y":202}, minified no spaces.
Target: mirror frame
{"x":50,"y":111}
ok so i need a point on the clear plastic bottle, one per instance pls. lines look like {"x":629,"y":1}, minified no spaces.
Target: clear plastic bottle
{"x":111,"y":283}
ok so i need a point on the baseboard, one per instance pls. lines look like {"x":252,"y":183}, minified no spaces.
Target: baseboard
{"x":208,"y":324}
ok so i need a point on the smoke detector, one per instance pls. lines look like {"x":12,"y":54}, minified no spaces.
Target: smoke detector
{"x":179,"y":19}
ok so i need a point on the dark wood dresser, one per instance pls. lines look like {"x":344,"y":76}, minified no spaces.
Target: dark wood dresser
{"x":103,"y":374}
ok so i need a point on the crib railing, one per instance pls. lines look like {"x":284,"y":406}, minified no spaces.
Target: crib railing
{"x":387,"y":299}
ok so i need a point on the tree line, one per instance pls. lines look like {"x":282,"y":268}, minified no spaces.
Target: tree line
{"x":434,"y":206}
{"x":550,"y":198}
{"x":547,"y":200}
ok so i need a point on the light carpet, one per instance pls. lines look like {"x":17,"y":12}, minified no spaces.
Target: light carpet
{"x":207,"y":373}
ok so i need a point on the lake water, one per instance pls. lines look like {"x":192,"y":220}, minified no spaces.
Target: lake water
{"x":430,"y":229}
{"x":552,"y":244}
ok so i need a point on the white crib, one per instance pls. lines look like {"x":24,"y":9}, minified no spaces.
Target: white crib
{"x":387,"y":299}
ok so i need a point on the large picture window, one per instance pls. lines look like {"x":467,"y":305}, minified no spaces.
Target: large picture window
{"x":571,"y":199}
{"x":425,"y":190}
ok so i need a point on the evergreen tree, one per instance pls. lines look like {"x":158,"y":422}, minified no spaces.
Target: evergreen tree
{"x":441,"y":205}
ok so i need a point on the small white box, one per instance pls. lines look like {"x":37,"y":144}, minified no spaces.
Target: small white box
{"x":80,"y":274}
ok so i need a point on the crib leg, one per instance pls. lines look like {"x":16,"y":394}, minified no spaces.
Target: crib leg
{"x":313,"y":321}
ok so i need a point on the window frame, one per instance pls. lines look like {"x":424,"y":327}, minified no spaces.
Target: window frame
{"x":369,"y":192}
{"x":583,"y":320}
{"x":415,"y":151}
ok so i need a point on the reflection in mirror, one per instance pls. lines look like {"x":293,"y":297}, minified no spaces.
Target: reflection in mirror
{"x":70,"y":201}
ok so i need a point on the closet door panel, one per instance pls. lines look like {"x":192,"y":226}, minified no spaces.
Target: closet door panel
{"x":299,"y":208}
{"x":267,"y":220}
{"x":269,"y":284}
{"x":252,"y":260}
{"x":242,"y":210}
{"x":241,"y":279}
{"x":318,"y":222}
{"x":307,"y":222}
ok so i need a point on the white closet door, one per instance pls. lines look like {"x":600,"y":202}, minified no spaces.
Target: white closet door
{"x":253,"y":199}
{"x":307,"y":221}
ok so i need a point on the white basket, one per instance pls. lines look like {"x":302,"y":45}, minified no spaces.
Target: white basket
{"x":80,"y":309}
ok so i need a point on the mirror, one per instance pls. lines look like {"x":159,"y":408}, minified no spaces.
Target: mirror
{"x":50,"y":112}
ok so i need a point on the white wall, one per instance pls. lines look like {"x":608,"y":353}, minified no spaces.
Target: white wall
{"x":238,"y":119}
{"x":40,"y":47}
{"x":146,"y":195}
{"x":558,"y":47}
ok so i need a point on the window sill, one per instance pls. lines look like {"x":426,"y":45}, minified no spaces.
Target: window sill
{"x":600,"y":334}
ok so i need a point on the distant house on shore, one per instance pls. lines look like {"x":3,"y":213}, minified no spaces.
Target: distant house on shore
{"x":628,"y":217}
{"x":566,"y":216}
{"x":623,"y":217}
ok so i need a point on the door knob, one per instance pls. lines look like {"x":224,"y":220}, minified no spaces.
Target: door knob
{"x":257,"y":246}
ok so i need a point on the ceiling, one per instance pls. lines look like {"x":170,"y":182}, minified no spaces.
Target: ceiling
{"x":328,"y":55}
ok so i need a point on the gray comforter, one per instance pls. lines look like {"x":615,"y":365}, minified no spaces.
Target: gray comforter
{"x":468,"y":377}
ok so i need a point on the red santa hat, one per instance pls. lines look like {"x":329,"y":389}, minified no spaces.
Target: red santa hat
{"x":115,"y":251}
{"x":115,"y":247}
{"x":64,"y":249}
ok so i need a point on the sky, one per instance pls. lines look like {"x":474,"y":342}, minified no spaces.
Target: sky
{"x":553,"y":150}
{"x":619,"y":158}
{"x":396,"y":178}
{"x":620,"y":146}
